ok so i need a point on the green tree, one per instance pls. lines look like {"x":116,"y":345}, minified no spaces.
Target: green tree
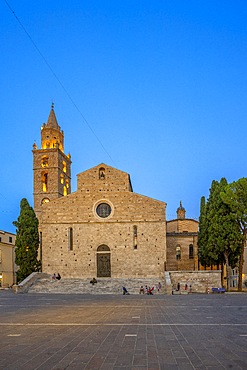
{"x":235,"y":196}
{"x":27,"y":241}
{"x":224,"y":238}
{"x":207,"y":253}
{"x":203,"y":234}
{"x":219,"y":239}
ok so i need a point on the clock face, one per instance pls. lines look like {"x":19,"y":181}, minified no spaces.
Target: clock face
{"x":45,"y":200}
{"x":103,"y":210}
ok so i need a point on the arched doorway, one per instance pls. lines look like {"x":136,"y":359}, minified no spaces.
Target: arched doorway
{"x":103,"y":261}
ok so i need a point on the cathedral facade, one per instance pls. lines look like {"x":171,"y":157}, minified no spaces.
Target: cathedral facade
{"x":103,"y":229}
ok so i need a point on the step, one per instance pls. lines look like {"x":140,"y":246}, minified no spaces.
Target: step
{"x":103,"y":285}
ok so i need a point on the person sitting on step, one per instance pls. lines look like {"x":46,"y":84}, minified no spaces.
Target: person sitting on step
{"x":141,"y":290}
{"x":93,"y":281}
{"x":125,"y":291}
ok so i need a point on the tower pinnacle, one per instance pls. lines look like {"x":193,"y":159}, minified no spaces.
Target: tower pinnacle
{"x":51,"y":134}
{"x":181,"y":211}
{"x":52,"y":120}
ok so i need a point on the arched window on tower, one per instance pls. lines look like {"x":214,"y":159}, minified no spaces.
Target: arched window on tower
{"x":45,"y":200}
{"x":62,"y":178}
{"x":191,"y":251}
{"x":64,"y":167}
{"x":101,"y":173}
{"x":65,"y":191}
{"x":178,"y":252}
{"x":44,"y":179}
{"x":44,"y":161}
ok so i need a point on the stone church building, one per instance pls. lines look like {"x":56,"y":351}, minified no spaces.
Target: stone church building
{"x":104,"y":228}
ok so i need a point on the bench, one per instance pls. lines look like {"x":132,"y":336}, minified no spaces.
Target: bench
{"x":218,"y":290}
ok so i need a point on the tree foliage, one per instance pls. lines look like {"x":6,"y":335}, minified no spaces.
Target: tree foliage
{"x":219,"y":240}
{"x":235,"y":196}
{"x":203,"y":233}
{"x":27,"y":241}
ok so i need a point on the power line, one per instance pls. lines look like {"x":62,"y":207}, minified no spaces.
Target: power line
{"x":59,"y":81}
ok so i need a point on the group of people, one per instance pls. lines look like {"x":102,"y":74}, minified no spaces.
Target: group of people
{"x":148,"y":290}
{"x":144,"y":289}
{"x":186,"y":287}
{"x":56,"y":277}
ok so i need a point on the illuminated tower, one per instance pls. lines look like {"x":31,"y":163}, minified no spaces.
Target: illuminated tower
{"x":51,"y":167}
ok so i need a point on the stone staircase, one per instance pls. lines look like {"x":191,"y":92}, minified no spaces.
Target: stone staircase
{"x":44,"y":284}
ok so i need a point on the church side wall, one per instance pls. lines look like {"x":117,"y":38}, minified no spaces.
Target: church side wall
{"x":186,"y":262}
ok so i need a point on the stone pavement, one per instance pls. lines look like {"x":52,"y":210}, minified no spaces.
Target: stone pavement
{"x":58,"y":331}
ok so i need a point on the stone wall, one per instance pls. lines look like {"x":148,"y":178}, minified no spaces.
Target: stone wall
{"x":182,"y":226}
{"x":200,"y":281}
{"x":183,"y":240}
{"x":24,"y":286}
{"x":112,"y":179}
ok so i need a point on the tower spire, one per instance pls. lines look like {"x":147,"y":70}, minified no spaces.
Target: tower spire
{"x":51,"y":134}
{"x":52,"y":120}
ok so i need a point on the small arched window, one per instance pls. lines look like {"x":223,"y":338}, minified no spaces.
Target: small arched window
{"x":70,"y":237}
{"x":135,"y":236}
{"x":64,"y":167}
{"x":191,"y":251}
{"x":135,"y":230}
{"x":101,"y":173}
{"x":62,"y":178}
{"x":44,"y":179}
{"x":44,"y":161}
{"x":45,"y":200}
{"x":178,"y":252}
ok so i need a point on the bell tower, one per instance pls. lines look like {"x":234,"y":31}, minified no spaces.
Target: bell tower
{"x":181,"y":212}
{"x":51,"y":167}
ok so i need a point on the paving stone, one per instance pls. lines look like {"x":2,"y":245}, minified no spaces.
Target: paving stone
{"x":59,"y":331}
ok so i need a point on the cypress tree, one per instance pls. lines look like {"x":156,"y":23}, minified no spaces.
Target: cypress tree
{"x":207,"y":257}
{"x":202,"y":234}
{"x":224,"y":238}
{"x":235,"y":196}
{"x":219,"y":239}
{"x":27,"y":241}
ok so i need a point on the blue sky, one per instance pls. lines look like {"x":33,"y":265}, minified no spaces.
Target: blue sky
{"x":162,"y":86}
